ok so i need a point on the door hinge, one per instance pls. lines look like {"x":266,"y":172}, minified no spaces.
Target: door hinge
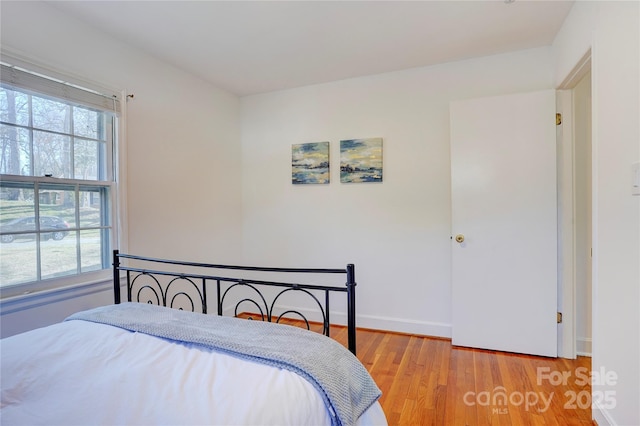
{"x":558,"y":119}
{"x":559,"y":317}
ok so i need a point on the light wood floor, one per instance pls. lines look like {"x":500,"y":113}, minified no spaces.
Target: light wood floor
{"x":427,"y":381}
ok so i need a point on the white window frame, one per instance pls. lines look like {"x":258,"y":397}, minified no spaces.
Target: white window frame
{"x":66,"y":83}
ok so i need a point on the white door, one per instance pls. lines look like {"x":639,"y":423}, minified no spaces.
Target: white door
{"x":503,"y":182}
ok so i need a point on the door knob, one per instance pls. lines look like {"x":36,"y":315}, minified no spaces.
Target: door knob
{"x":459,"y":238}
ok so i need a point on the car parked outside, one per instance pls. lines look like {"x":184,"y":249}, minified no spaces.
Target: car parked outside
{"x":58,"y":226}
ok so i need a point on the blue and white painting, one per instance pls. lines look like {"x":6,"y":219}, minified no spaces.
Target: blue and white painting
{"x":361,"y":160}
{"x":310,"y":163}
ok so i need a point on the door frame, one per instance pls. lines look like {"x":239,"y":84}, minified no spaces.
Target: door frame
{"x":567,"y":334}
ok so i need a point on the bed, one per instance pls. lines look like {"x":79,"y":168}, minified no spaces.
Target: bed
{"x":170,"y":351}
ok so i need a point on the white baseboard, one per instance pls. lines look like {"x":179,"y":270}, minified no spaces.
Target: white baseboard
{"x":583,"y":346}
{"x":601,"y":416}
{"x":403,"y":325}
{"x":398,"y":325}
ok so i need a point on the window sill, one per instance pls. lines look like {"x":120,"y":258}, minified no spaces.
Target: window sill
{"x":37,"y":296}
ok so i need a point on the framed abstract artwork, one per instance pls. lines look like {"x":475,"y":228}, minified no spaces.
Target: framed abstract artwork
{"x":361,"y":160}
{"x":310,"y":163}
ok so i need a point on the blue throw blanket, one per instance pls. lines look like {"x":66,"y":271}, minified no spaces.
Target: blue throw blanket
{"x":344,"y":384}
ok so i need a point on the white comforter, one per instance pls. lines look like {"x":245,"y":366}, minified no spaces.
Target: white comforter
{"x":83,"y":373}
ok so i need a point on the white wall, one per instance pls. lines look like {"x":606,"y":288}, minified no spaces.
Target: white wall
{"x":396,"y":232}
{"x":183,"y":152}
{"x":612,"y":31}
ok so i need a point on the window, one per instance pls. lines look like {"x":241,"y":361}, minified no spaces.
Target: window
{"x":57,"y":182}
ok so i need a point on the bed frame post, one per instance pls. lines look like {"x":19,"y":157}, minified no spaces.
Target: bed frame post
{"x":351,"y":307}
{"x":116,"y":277}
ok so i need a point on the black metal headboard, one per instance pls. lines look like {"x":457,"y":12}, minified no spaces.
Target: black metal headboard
{"x":148,"y":280}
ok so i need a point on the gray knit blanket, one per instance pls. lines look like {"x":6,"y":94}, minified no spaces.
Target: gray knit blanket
{"x":344,"y":384}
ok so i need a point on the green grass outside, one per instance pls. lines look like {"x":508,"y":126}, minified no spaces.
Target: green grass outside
{"x":18,"y":260}
{"x":10,"y":210}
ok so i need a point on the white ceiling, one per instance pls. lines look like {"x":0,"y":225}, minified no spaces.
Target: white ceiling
{"x":249,"y":47}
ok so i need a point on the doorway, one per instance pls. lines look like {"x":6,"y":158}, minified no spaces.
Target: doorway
{"x":575,"y":213}
{"x":582,"y":212}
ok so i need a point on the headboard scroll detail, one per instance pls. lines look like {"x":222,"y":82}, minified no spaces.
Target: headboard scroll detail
{"x":185,"y":285}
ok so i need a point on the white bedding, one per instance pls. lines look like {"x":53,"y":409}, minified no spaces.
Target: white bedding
{"x":83,"y":373}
